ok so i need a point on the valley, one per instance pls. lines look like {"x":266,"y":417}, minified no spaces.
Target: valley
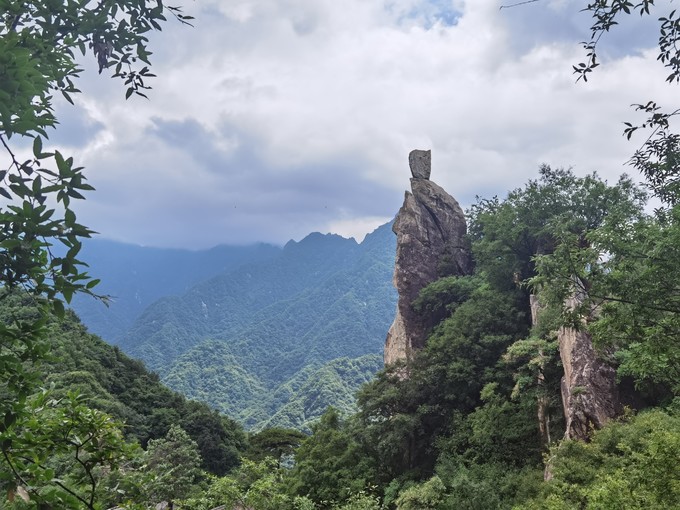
{"x":269,"y":336}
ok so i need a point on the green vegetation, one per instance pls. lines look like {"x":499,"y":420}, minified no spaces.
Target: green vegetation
{"x":471,"y":421}
{"x":125,"y":389}
{"x":629,"y":464}
{"x":474,"y":421}
{"x":306,"y":397}
{"x":97,"y":408}
{"x":135,"y":276}
{"x":175,"y":461}
{"x":38,"y":44}
{"x":274,"y":343}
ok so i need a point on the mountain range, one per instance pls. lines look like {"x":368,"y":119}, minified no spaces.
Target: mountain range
{"x":270,"y":336}
{"x":133,"y":277}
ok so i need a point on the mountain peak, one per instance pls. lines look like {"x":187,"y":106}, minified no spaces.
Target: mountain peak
{"x":319,"y":239}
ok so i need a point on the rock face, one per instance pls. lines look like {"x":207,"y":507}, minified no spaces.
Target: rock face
{"x":543,"y":399}
{"x":430,"y":229}
{"x":589,"y":393}
{"x":420,"y":163}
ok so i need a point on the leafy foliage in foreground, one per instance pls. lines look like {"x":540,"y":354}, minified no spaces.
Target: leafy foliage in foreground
{"x":38,"y":41}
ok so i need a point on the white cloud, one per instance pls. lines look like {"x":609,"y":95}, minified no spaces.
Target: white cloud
{"x":273,"y":118}
{"x":357,"y":227}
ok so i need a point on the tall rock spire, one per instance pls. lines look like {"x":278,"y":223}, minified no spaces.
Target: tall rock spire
{"x":430,"y":229}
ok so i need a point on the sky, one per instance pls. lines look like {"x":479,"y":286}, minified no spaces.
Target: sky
{"x":271,"y":119}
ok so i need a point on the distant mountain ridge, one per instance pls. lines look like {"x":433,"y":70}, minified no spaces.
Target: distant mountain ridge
{"x":136,"y":276}
{"x":237,"y":338}
{"x":248,"y":340}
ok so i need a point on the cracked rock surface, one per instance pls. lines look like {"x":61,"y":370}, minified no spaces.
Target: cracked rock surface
{"x":430,"y":229}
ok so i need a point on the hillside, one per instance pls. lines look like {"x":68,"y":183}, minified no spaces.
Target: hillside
{"x":136,"y":276}
{"x":307,"y":396}
{"x":238,"y":337}
{"x":121,"y":386}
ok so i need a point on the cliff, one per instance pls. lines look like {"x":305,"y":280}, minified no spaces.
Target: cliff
{"x":589,"y":393}
{"x":430,"y":229}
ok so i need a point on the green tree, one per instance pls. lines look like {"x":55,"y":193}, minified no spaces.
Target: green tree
{"x":628,"y":272}
{"x":175,"y":463}
{"x":258,"y":485}
{"x":330,"y":465}
{"x":38,"y":45}
{"x":507,"y":234}
{"x":361,"y":501}
{"x":426,"y":496}
{"x":404,"y":421}
{"x":220,"y":439}
{"x":658,"y":157}
{"x":276,"y":443}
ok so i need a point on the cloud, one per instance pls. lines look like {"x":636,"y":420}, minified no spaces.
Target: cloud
{"x":198,"y":190}
{"x":274,"y":118}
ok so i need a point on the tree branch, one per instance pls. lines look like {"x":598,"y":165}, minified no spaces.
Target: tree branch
{"x":517,"y":4}
{"x":629,"y":302}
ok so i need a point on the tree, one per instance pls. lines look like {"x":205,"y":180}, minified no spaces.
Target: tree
{"x":38,"y":45}
{"x":174,"y":461}
{"x":507,"y":234}
{"x":257,"y":485}
{"x":70,"y":451}
{"x":427,"y":496}
{"x":330,"y":465}
{"x":219,"y":438}
{"x":627,"y":274}
{"x":659,"y":156}
{"x":275,"y":442}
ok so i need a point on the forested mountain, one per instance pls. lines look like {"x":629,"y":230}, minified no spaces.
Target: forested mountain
{"x":136,"y":276}
{"x":240,"y":336}
{"x":114,"y":383}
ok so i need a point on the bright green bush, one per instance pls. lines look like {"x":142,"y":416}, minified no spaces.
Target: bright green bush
{"x":629,"y":464}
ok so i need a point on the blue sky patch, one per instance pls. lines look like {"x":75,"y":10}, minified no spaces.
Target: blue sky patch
{"x":432,"y":12}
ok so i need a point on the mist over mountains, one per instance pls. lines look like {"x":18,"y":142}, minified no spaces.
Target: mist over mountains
{"x":135,"y":276}
{"x":271,"y":336}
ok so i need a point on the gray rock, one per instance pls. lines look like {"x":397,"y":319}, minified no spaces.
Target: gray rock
{"x":420,"y":163}
{"x":590,"y":396}
{"x":430,"y":229}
